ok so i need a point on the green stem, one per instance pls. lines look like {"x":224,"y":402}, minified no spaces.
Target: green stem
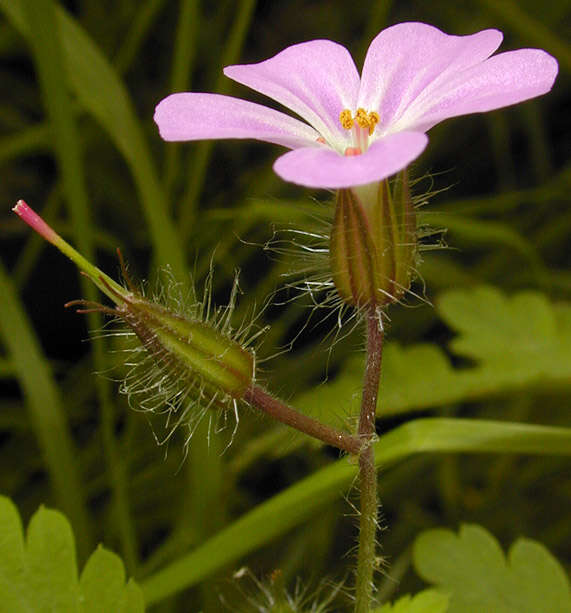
{"x":105,"y":283}
{"x":367,"y":472}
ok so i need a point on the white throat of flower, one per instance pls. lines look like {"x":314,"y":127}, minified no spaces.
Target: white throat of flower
{"x":362,"y":125}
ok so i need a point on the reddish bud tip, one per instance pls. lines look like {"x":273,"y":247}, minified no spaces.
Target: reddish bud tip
{"x":29,"y":216}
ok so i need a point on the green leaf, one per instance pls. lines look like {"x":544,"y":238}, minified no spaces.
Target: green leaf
{"x":427,"y":601}
{"x":306,"y":498}
{"x":516,"y":342}
{"x":50,"y":563}
{"x":413,"y":378}
{"x":11,"y":556}
{"x":471,"y":566}
{"x":524,"y":336}
{"x":474,"y":231}
{"x":106,"y":569}
{"x":41,"y":574}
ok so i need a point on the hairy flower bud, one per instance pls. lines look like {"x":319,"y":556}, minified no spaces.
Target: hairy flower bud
{"x":192,"y":363}
{"x":373,"y":242}
{"x":193,"y":348}
{"x":191,"y":360}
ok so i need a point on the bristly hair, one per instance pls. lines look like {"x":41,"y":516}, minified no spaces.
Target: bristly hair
{"x":308,"y":275}
{"x":155,"y":381}
{"x":271,"y":596}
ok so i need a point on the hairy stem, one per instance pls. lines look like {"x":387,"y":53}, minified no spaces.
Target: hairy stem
{"x":367,"y":472}
{"x":259,"y":398}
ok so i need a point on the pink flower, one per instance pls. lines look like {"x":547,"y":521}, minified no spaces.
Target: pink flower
{"x":361,"y":129}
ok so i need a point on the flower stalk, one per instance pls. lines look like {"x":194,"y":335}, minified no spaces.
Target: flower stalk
{"x":280,"y":411}
{"x":373,"y":247}
{"x":192,"y":356}
{"x":366,"y":560}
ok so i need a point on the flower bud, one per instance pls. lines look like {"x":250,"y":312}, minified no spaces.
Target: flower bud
{"x":193,"y":349}
{"x":190,"y":363}
{"x":373,"y":242}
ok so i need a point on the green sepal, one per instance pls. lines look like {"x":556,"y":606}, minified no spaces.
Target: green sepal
{"x":373,"y":242}
{"x":193,"y":346}
{"x":352,"y":250}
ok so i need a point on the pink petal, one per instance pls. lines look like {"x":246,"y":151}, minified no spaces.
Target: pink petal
{"x":321,"y":167}
{"x":316,"y":80}
{"x":406,"y":58}
{"x":193,"y":116}
{"x":502,"y":80}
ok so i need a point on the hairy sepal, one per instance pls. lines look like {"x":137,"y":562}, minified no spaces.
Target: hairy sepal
{"x":374,"y":242}
{"x":195,"y":347}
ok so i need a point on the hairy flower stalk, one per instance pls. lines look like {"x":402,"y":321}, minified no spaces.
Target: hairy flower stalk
{"x":366,"y":559}
{"x":194,"y":362}
{"x":373,"y":247}
{"x":372,"y":250}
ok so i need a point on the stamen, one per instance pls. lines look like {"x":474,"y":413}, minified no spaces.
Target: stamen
{"x":365,"y":120}
{"x":362,"y":118}
{"x":345,"y":119}
{"x":373,"y":121}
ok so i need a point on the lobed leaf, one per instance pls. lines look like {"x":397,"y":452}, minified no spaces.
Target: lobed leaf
{"x":525,"y":335}
{"x":471,"y":566}
{"x":40,"y":573}
{"x":427,"y":601}
{"x":516,"y":342}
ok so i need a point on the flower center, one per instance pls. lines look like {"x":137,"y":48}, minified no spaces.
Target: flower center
{"x":361,"y":125}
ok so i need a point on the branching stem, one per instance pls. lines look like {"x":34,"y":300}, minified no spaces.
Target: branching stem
{"x":360,"y":445}
{"x":259,"y":398}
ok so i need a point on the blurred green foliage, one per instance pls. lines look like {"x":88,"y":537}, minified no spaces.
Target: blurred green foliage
{"x":80,"y":80}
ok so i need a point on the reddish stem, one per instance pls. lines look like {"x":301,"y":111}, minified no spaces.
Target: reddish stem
{"x":275,"y":408}
{"x":367,"y":470}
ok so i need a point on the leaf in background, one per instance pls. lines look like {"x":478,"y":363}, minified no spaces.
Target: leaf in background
{"x":473,"y":231}
{"x":472,"y":567}
{"x":524,"y":336}
{"x":413,"y":378}
{"x":516,"y":342}
{"x":427,"y":601}
{"x":40,"y":574}
{"x":102,"y":585}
